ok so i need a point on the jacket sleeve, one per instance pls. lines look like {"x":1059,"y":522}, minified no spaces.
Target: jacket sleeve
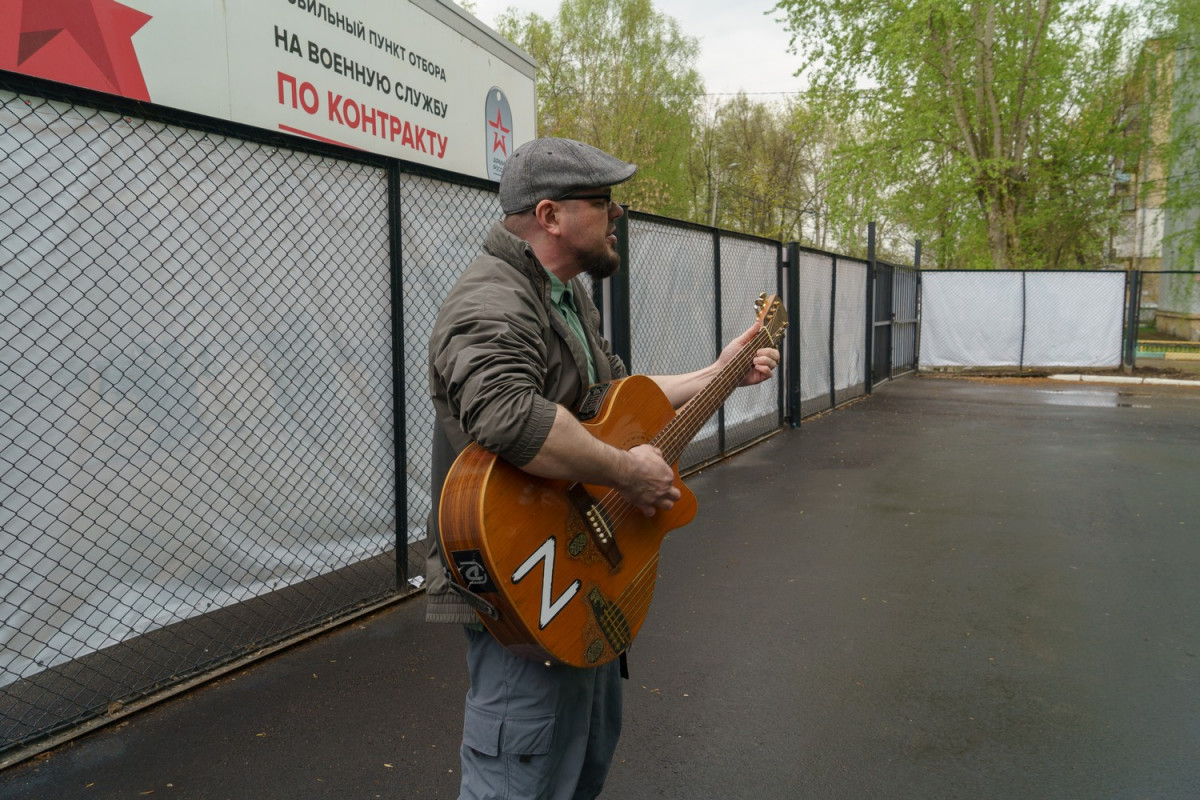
{"x":488,"y":356}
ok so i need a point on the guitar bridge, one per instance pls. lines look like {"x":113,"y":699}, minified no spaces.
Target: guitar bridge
{"x":599,"y":527}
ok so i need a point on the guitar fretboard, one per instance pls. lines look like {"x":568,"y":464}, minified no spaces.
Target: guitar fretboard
{"x":688,"y":421}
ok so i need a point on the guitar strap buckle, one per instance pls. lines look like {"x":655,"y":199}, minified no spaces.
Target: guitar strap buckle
{"x":473,"y":600}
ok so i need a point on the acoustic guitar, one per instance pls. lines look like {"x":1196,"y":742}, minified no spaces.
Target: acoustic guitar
{"x":563,"y":572}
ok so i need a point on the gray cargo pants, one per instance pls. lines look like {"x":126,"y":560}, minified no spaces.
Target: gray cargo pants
{"x":532,"y":732}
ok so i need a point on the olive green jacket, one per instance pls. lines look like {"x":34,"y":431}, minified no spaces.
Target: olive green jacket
{"x":501,"y":359}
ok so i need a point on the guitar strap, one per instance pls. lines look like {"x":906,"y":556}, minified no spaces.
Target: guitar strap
{"x":473,"y":600}
{"x":487,"y":609}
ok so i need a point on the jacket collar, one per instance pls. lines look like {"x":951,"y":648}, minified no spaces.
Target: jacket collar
{"x":509,"y":247}
{"x":518,"y":253}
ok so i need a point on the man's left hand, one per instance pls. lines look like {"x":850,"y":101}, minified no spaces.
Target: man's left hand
{"x":765,"y":360}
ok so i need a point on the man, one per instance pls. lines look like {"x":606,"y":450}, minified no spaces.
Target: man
{"x":514,"y":348}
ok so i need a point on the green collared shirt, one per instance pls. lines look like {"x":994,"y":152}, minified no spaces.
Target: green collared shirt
{"x":564,"y":300}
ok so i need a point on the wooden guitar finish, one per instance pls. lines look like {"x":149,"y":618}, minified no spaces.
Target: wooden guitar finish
{"x":566,"y":570}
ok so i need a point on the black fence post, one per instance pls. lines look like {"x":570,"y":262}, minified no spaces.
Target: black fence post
{"x":1133,"y":289}
{"x":792,"y":266}
{"x":1126,"y":331}
{"x":891,"y":364}
{"x":1024,"y":323}
{"x":1139,"y":278}
{"x":833,"y":333}
{"x":620,"y":336}
{"x":399,"y":435}
{"x":916,"y":309}
{"x":717,"y":327}
{"x":870,"y":353}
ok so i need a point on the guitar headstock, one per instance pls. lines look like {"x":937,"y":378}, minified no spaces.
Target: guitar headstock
{"x":771,"y":312}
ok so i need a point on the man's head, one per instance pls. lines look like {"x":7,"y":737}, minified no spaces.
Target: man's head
{"x":557,"y":195}
{"x":553,"y":169}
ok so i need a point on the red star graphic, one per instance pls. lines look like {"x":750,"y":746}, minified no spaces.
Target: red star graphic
{"x":85,"y":43}
{"x":500,"y":140}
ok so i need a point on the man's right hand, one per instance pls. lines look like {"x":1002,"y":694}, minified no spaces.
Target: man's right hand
{"x":640,"y":475}
{"x":647,"y":481}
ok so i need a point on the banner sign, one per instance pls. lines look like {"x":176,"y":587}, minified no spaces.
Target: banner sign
{"x":419,"y":80}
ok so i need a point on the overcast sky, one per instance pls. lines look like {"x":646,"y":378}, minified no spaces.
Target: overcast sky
{"x":741,"y":47}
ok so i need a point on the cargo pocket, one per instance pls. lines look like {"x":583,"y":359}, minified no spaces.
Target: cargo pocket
{"x":510,"y":754}
{"x":527,"y":736}
{"x":481,"y":731}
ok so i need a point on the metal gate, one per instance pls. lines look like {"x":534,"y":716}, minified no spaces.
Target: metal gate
{"x":906,"y":291}
{"x":881,"y":327}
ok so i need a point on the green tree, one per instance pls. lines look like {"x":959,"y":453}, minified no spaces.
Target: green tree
{"x":764,"y":165}
{"x":988,"y":126}
{"x":621,"y":76}
{"x":1181,"y":152}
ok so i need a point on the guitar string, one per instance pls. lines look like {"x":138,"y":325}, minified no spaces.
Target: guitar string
{"x":640,"y":591}
{"x":636,"y":597}
{"x":640,"y":582}
{"x":676,"y":435}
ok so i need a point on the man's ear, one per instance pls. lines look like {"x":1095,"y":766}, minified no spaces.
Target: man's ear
{"x":547,"y":216}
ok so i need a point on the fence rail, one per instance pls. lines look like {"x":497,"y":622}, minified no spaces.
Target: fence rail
{"x":214,"y":416}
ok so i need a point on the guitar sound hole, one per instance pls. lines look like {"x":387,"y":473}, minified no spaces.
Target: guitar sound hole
{"x":577,"y":544}
{"x":594,"y":651}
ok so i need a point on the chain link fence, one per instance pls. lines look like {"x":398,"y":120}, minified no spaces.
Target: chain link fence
{"x":1023,"y":319}
{"x":196,"y":424}
{"x":831,"y":328}
{"x":692,"y":290}
{"x":1164,"y":318}
{"x":214,"y":417}
{"x":442,"y":229}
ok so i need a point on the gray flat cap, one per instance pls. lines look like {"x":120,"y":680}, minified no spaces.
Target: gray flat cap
{"x":549,"y":169}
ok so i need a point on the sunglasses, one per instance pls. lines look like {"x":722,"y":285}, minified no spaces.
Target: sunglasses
{"x":606,"y":196}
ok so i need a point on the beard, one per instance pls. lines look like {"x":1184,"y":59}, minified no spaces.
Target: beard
{"x":602,"y":268}
{"x":599,"y":263}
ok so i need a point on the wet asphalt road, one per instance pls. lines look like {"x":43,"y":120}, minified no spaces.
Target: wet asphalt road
{"x":951,"y":589}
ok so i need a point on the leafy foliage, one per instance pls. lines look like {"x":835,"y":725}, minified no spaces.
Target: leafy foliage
{"x":991,"y":130}
{"x":1181,"y":151}
{"x":989,"y":125}
{"x":621,"y":76}
{"x":757,"y":168}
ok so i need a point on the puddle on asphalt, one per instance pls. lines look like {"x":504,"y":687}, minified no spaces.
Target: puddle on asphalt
{"x":1095,"y":398}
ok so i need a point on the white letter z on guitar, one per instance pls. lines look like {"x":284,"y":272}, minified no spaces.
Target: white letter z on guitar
{"x":545,"y":553}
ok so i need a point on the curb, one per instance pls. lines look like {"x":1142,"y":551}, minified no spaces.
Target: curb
{"x":1122,"y":379}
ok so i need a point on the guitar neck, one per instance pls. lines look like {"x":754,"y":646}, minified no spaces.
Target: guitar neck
{"x":690,"y":418}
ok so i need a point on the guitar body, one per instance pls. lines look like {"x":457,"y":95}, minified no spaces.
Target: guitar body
{"x":569,"y":569}
{"x":564,"y":572}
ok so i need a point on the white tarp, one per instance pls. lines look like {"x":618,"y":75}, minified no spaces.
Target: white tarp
{"x":669,"y":335}
{"x":811,"y":324}
{"x":1033,"y":319}
{"x":179,"y":312}
{"x":748,"y":269}
{"x":849,"y":327}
